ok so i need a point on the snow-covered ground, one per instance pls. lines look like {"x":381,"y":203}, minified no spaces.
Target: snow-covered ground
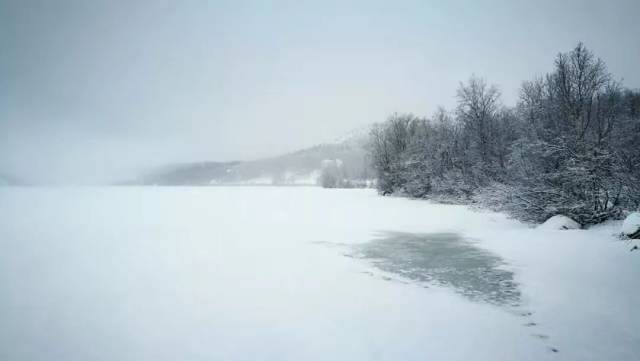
{"x":269,"y":273}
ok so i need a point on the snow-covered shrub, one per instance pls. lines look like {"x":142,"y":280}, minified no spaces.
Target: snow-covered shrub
{"x":559,"y":222}
{"x":331,"y":175}
{"x":631,"y":226}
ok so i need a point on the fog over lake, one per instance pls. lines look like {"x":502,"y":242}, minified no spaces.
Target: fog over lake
{"x":99,"y":92}
{"x":361,"y":180}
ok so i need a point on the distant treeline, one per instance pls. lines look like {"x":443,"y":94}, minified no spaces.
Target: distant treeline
{"x":571,"y":145}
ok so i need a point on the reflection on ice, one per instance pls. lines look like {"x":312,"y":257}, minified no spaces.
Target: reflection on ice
{"x":445,"y":259}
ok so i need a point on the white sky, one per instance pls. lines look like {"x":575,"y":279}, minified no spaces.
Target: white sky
{"x":92,"y":91}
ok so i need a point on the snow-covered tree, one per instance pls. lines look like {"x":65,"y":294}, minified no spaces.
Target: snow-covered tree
{"x":570,"y":146}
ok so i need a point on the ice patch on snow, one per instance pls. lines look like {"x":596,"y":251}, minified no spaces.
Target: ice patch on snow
{"x":444,"y":259}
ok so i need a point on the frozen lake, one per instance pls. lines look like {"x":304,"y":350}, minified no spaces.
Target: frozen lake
{"x":268,"y":273}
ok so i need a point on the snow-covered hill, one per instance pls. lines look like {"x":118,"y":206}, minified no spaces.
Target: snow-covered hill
{"x":302,"y":167}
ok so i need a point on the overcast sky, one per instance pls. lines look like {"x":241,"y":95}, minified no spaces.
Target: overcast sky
{"x":93,"y":91}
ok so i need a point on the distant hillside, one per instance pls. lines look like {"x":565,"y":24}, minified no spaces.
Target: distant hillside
{"x":187,"y":174}
{"x":302,"y":167}
{"x":10,"y":180}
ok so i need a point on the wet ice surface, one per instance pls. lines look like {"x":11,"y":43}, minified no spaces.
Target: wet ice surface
{"x":451,"y":261}
{"x":444,"y":259}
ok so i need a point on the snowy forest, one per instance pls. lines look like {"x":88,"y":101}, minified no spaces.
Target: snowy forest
{"x":571,"y":146}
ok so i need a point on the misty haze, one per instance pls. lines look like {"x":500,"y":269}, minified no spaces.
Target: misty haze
{"x":282,"y":180}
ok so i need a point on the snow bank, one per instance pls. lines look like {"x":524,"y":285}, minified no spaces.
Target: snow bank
{"x":631,"y":225}
{"x":559,"y":222}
